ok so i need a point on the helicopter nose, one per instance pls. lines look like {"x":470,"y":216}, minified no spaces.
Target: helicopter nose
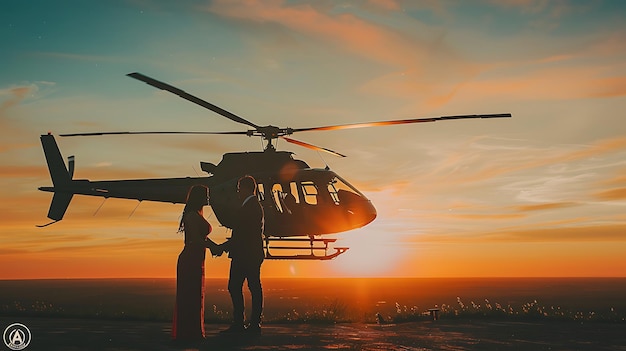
{"x":362,"y":212}
{"x":369,"y":212}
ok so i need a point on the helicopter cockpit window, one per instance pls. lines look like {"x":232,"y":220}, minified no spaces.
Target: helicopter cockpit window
{"x":337,"y":186}
{"x":309,"y":190}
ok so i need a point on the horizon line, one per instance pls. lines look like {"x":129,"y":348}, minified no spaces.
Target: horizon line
{"x":334,"y":278}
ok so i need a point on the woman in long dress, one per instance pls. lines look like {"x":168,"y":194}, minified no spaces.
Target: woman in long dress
{"x":188,"y":321}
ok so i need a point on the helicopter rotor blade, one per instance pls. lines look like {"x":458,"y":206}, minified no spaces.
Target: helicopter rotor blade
{"x":400,"y":121}
{"x":196,"y":100}
{"x":157,"y":132}
{"x":312,"y":147}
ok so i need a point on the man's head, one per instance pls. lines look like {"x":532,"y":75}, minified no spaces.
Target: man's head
{"x":246,"y":186}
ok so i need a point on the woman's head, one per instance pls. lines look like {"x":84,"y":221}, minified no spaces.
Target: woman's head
{"x":197,"y":197}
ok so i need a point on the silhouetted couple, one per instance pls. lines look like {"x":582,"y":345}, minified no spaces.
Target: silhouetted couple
{"x":245,"y":249}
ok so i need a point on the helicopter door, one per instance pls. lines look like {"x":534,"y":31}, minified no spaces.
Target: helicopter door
{"x":277,"y":196}
{"x":285,"y":202}
{"x":291,"y":199}
{"x":309,"y":190}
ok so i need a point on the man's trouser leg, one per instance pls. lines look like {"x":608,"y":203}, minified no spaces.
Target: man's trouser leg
{"x":256,"y":290}
{"x":235,"y":286}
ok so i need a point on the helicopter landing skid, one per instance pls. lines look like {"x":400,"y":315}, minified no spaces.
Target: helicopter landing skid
{"x":312,"y":249}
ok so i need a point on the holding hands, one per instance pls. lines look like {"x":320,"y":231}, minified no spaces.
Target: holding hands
{"x":216,"y":250}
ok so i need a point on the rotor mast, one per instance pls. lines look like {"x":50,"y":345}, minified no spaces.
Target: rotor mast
{"x":269,"y":134}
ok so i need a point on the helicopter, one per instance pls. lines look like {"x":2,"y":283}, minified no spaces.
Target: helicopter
{"x":300,"y":203}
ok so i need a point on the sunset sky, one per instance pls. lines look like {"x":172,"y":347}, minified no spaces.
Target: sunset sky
{"x":539,"y":194}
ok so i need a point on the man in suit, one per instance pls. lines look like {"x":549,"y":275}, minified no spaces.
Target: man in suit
{"x":245,"y":249}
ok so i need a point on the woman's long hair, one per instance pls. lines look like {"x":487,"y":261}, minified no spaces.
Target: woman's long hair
{"x":197,"y":197}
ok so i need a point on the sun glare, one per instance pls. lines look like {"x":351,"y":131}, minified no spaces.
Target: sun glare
{"x":370,"y":255}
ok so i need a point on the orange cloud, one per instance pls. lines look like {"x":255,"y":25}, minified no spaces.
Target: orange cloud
{"x":422,"y":63}
{"x":542,"y":207}
{"x":15,"y":134}
{"x":214,"y":145}
{"x":390,"y":5}
{"x":591,"y":68}
{"x":115,"y":245}
{"x":9,"y":98}
{"x":21,"y":171}
{"x":21,"y":211}
{"x":612,"y":233}
{"x":540,"y":159}
{"x":345,"y":30}
{"x":616,"y":180}
{"x":547,"y":84}
{"x":14,"y":96}
{"x":479,"y":216}
{"x":113,"y":173}
{"x":612,"y":195}
{"x":562,"y":234}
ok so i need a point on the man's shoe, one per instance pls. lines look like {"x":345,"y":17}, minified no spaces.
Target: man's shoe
{"x":234,"y":328}
{"x":253,"y":328}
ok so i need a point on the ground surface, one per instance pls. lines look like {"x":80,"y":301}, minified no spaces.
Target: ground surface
{"x":78,"y":334}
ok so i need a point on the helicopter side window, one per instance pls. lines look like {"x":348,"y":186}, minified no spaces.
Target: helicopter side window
{"x":293,"y":186}
{"x":261,"y":192}
{"x":309,"y":190}
{"x":277,"y":194}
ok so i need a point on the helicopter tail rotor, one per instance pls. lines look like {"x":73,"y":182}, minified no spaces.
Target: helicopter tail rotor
{"x":61,"y":178}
